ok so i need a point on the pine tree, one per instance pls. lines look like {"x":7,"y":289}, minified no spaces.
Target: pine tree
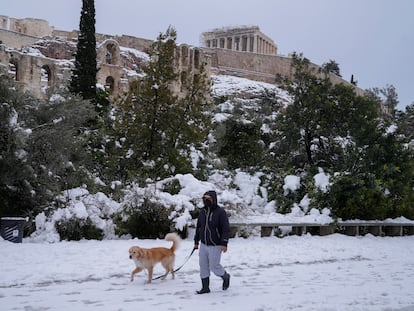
{"x":157,"y":126}
{"x":84,"y":74}
{"x":16,"y":175}
{"x":41,"y":148}
{"x":332,"y":67}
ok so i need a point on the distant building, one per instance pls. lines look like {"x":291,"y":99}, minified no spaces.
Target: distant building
{"x":29,"y":26}
{"x":241,"y":39}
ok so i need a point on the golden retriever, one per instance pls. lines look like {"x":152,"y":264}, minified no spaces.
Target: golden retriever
{"x":146,"y":258}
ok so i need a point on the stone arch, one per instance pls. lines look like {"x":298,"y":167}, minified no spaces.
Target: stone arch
{"x":110,"y":84}
{"x":109,"y":52}
{"x":109,"y":56}
{"x":45,"y":77}
{"x":13,"y":69}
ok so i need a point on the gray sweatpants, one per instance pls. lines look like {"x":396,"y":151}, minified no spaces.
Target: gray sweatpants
{"x":209,"y":259}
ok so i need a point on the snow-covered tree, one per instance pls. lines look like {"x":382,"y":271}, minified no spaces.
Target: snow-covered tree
{"x":157,"y":127}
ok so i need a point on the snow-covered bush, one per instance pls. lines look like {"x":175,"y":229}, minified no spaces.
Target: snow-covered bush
{"x":75,"y":229}
{"x":142,"y":218}
{"x":79,"y":215}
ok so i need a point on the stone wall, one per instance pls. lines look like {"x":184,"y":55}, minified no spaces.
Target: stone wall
{"x":30,"y":26}
{"x":16,"y":40}
{"x":139,"y":44}
{"x":41,"y":74}
{"x":249,"y":65}
{"x":259,"y":67}
{"x":16,"y":33}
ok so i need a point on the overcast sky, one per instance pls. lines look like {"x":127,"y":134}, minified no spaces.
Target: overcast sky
{"x":371,"y":39}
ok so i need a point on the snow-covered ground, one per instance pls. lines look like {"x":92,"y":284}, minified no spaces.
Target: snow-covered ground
{"x":334,"y":272}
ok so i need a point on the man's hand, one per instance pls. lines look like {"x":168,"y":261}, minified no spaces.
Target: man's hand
{"x":195,"y":246}
{"x":224,"y":248}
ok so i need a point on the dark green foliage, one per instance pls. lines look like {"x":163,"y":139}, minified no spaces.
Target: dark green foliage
{"x":286,"y":198}
{"x":357,"y":197}
{"x":16,"y":174}
{"x":144,"y":219}
{"x":389,"y":98}
{"x":313,"y":129}
{"x":75,"y":229}
{"x":173,"y":187}
{"x":300,"y":124}
{"x":41,"y":149}
{"x":84,"y":74}
{"x":329,"y":126}
{"x":378,"y":181}
{"x":101,"y":146}
{"x":332,"y":67}
{"x":405,"y":121}
{"x":241,"y":145}
{"x":57,"y":146}
{"x":157,"y":126}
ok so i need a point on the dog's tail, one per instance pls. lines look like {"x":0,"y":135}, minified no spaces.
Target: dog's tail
{"x":173,"y":237}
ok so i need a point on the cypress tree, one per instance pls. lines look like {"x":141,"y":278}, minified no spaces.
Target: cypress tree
{"x":84,"y":74}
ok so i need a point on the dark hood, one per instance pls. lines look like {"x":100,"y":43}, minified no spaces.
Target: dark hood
{"x":212,"y":194}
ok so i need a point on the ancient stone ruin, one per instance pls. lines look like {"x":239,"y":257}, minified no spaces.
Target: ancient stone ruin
{"x":241,"y":39}
{"x":40,"y":58}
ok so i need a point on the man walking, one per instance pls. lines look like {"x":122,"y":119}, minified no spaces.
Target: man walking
{"x":213,"y":230}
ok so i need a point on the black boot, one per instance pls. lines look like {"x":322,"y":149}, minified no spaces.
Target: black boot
{"x":226,"y":280}
{"x":206,"y":286}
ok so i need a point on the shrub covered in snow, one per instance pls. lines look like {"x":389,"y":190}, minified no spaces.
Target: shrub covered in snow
{"x":143,"y":218}
{"x":79,"y":215}
{"x":170,"y":204}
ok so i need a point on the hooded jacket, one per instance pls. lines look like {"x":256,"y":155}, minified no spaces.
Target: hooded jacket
{"x":212,"y":224}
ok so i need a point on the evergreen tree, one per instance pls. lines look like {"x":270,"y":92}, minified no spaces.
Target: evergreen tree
{"x":300,"y":124}
{"x":331,"y":66}
{"x":41,"y":148}
{"x":241,"y":145}
{"x":16,"y":174}
{"x":84,"y":74}
{"x":405,"y":122}
{"x":388,"y":99}
{"x":59,"y":164}
{"x":314,"y":129}
{"x":158,"y":128}
{"x":329,"y":126}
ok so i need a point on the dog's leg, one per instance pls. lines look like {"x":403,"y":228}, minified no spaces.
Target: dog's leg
{"x":172,"y":270}
{"x":169,"y":268}
{"x":166,"y":273}
{"x":150,"y":270}
{"x":136,"y":270}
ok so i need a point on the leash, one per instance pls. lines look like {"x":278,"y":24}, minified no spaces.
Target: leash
{"x":185,"y":261}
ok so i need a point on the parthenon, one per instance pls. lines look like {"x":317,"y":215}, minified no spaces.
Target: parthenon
{"x":242,"y":39}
